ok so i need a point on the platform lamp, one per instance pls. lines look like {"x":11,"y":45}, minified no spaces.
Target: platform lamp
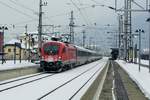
{"x":139,"y":31}
{"x":3,"y":28}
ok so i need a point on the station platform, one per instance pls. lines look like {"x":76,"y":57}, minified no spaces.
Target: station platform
{"x":140,"y":77}
{"x":120,"y":80}
{"x":9,"y":69}
{"x":124,"y":81}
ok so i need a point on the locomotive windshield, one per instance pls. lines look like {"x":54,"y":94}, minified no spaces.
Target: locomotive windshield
{"x":51,"y":49}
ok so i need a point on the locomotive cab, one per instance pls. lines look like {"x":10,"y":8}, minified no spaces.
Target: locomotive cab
{"x":51,"y":59}
{"x":57,"y":55}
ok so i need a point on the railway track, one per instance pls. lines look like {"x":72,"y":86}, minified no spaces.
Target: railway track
{"x":3,"y":84}
{"x":42,"y":76}
{"x":65,"y":83}
{"x":48,"y":86}
{"x":85,"y":83}
{"x":18,"y":79}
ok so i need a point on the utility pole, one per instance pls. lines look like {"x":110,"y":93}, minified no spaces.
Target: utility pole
{"x":128,"y":47}
{"x":149,"y":43}
{"x":120,"y":46}
{"x":26,"y":30}
{"x":148,"y":20}
{"x":130,"y":31}
{"x":83,"y":38}
{"x":127,"y":29}
{"x":3,"y":28}
{"x":40,"y":25}
{"x":71,"y":28}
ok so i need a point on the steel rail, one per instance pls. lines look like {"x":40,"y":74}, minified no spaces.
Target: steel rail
{"x":4,"y":83}
{"x":85,"y":83}
{"x":67,"y":82}
{"x":11,"y":87}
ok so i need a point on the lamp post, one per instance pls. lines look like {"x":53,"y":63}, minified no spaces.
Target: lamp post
{"x":83,"y":38}
{"x":139,"y":31}
{"x":3,"y":28}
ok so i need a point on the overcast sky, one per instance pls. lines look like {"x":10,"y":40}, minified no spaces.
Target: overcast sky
{"x":57,"y":12}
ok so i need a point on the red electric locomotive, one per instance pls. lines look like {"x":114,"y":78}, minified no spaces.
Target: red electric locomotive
{"x":57,"y":56}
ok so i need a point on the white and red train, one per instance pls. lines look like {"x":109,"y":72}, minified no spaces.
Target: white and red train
{"x":57,"y":56}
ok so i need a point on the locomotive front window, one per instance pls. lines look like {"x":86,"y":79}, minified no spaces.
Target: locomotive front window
{"x":51,"y":49}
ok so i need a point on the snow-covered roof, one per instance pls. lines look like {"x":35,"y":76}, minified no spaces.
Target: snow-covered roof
{"x":13,"y":41}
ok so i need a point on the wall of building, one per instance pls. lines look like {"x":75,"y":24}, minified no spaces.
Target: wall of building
{"x":9,"y":50}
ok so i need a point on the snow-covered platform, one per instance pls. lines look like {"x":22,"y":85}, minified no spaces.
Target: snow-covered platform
{"x":141,"y":78}
{"x":10,"y":70}
{"x":9,"y":65}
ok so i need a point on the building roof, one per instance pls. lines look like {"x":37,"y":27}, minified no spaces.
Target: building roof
{"x":13,"y":41}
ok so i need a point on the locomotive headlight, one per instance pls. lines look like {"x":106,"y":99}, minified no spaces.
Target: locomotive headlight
{"x":42,"y":58}
{"x":59,"y":58}
{"x":59,"y":62}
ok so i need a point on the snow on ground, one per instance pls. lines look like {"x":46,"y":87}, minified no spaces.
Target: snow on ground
{"x":142,"y":78}
{"x":145,"y":62}
{"x":10,"y":64}
{"x":34,"y":90}
{"x":76,"y":84}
